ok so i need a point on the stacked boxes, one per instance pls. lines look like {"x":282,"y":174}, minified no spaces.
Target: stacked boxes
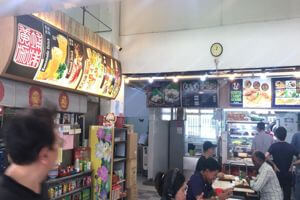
{"x":131,"y":165}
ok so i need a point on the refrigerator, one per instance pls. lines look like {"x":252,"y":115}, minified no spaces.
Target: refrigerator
{"x":176,"y":146}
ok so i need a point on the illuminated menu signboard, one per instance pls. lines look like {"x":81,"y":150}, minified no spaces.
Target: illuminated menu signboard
{"x":45,"y":54}
{"x":286,"y":92}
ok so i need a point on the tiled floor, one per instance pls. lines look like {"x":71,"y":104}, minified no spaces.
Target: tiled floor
{"x":146,"y":192}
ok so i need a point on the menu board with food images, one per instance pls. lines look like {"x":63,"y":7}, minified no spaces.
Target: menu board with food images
{"x":236,"y":92}
{"x":47,"y":55}
{"x":164,"y":94}
{"x":286,"y":92}
{"x":199,"y":93}
{"x":257,"y":93}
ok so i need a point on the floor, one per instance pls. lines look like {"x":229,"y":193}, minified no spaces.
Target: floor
{"x":146,"y":192}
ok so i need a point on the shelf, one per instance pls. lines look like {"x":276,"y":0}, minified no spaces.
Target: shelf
{"x":121,"y":129}
{"x":73,"y":192}
{"x":59,"y":180}
{"x":117,"y":159}
{"x":120,"y":141}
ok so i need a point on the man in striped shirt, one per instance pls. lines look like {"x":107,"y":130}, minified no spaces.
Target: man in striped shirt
{"x":266,"y":182}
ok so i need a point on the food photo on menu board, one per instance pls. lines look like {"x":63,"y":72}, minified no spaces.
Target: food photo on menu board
{"x":163,"y":94}
{"x":29,"y":52}
{"x":287,"y":92}
{"x":199,"y":93}
{"x":257,"y":93}
{"x":54,"y":69}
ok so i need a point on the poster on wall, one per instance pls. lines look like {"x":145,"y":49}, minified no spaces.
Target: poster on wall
{"x":29,"y":53}
{"x":163,"y":94}
{"x":236,"y":93}
{"x":286,"y":92}
{"x":257,"y":93}
{"x":199,"y":93}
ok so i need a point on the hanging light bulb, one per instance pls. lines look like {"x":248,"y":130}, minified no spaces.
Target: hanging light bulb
{"x":232,"y":77}
{"x":127,"y":80}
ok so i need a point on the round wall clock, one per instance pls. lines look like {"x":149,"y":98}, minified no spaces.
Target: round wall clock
{"x":216,"y":49}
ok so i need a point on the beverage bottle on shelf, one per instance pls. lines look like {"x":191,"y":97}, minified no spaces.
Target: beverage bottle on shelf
{"x":77,"y":165}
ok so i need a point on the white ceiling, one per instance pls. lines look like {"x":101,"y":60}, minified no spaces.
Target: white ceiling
{"x":20,"y":7}
{"x":146,"y":16}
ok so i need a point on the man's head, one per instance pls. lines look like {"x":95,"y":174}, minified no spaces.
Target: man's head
{"x":210,"y":169}
{"x":31,"y":139}
{"x":209,"y":148}
{"x":261,"y":126}
{"x":258,"y":158}
{"x":280,"y":133}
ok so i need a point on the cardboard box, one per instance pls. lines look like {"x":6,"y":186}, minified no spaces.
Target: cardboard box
{"x":132,"y":193}
{"x":131,"y":177}
{"x":130,"y":128}
{"x":131,"y":146}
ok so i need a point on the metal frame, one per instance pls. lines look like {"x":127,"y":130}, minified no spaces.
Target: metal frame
{"x":84,"y":11}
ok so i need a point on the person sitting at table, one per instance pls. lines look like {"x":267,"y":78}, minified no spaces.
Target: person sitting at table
{"x":200,"y":182}
{"x":266,"y":182}
{"x":171,"y":185}
{"x":208,"y":152}
{"x":283,"y":154}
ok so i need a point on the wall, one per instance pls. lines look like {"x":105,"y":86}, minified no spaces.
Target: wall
{"x":136,"y":110}
{"x":176,"y":35}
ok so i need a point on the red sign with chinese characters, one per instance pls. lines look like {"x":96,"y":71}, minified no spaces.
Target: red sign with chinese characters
{"x":29,"y":47}
{"x":63,"y":101}
{"x":35,"y":97}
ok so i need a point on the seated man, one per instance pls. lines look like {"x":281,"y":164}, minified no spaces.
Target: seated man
{"x":201,"y":182}
{"x":266,"y":182}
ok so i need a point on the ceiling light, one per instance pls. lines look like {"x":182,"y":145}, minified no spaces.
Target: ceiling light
{"x":232,"y":77}
{"x":203,"y":78}
{"x":175,"y":79}
{"x":264,"y":75}
{"x":127,"y":80}
{"x":150,"y":80}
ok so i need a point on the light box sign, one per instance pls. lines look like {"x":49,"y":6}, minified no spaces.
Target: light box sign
{"x":47,"y":55}
{"x":286,"y":92}
{"x":236,"y":93}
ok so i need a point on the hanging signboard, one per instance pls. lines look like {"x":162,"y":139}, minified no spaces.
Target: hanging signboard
{"x":236,"y":93}
{"x":257,"y":93}
{"x":47,"y":55}
{"x":199,"y":93}
{"x":286,"y":92}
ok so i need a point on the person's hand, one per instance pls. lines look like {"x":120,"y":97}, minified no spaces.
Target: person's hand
{"x":220,"y":175}
{"x":201,"y":197}
{"x":226,"y":194}
{"x":248,"y":179}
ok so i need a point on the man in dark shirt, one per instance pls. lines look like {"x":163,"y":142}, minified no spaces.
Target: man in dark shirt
{"x":200,"y":183}
{"x":283,"y":154}
{"x":32,"y":146}
{"x":208,"y":152}
{"x":296,"y":143}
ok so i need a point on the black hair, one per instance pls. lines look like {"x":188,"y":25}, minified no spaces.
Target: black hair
{"x":168,"y":184}
{"x":260,"y":155}
{"x":280,"y":133}
{"x":211,"y":165}
{"x":27,"y":133}
{"x":261,"y":126}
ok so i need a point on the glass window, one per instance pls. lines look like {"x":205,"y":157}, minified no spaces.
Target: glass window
{"x":166,"y":114}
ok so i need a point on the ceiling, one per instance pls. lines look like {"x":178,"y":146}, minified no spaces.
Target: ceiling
{"x":148,"y":16}
{"x":20,"y":7}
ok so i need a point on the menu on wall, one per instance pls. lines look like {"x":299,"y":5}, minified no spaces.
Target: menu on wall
{"x":257,"y":93}
{"x":45,"y":54}
{"x":236,"y":92}
{"x":163,"y":94}
{"x":286,"y":92}
{"x":199,"y":94}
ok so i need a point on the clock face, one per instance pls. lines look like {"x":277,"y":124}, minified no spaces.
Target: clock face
{"x":216,"y":49}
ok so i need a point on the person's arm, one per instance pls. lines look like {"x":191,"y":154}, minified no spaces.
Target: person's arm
{"x":260,"y":182}
{"x":294,"y":140}
{"x":268,"y":158}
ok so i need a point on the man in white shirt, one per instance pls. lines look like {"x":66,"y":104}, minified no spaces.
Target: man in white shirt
{"x":262,"y":141}
{"x":266,"y":182}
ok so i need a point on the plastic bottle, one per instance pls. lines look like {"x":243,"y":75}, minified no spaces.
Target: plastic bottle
{"x":77,"y":165}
